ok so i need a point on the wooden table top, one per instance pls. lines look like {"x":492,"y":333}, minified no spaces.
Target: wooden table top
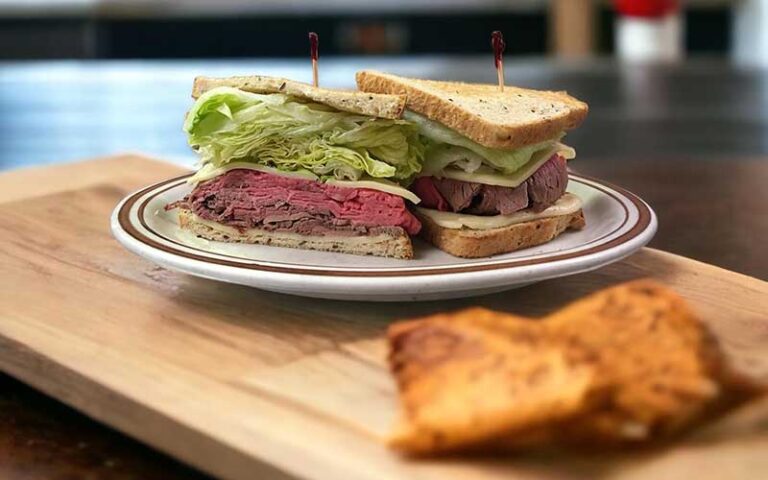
{"x":708,"y":210}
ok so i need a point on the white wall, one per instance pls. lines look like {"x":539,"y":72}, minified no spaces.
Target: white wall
{"x":750,"y":32}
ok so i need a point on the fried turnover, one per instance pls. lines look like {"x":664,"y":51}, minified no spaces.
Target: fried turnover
{"x":625,"y":365}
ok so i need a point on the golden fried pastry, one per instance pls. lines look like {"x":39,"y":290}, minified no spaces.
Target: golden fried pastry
{"x":658,"y":367}
{"x":477,"y":374}
{"x":626,"y":364}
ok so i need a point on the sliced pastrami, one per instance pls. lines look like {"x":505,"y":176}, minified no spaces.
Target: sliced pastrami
{"x":538,"y":192}
{"x":548,"y":183}
{"x":499,"y":200}
{"x":244,"y":198}
{"x":459,"y":195}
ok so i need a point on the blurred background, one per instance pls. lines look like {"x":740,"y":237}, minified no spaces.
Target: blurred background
{"x":84,"y":78}
{"x":112,"y":29}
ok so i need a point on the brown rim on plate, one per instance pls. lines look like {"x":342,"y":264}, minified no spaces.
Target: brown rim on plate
{"x":642,"y":223}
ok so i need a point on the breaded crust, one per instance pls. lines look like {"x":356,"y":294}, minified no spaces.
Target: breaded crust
{"x":625,"y":365}
{"x":472,"y":375}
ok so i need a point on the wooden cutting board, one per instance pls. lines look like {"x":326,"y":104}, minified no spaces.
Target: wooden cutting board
{"x":243,"y":383}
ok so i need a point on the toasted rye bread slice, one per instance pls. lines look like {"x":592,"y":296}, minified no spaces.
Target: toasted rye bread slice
{"x":468,"y":243}
{"x":372,"y":104}
{"x":396,"y":243}
{"x":510,"y":119}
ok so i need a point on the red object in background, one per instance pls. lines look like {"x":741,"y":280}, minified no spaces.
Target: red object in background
{"x":646,"y":8}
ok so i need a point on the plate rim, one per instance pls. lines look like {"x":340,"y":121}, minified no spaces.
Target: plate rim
{"x":645,"y":226}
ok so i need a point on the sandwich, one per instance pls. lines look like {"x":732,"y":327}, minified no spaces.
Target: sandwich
{"x":494,"y":176}
{"x":288,"y":164}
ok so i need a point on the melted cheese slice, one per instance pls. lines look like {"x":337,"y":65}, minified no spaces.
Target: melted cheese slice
{"x":567,"y":204}
{"x":207,"y":172}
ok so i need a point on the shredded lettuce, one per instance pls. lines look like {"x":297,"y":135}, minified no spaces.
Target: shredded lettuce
{"x":280,"y":131}
{"x":448,"y":148}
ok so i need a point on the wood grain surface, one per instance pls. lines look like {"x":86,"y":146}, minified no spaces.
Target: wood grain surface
{"x":243,"y":383}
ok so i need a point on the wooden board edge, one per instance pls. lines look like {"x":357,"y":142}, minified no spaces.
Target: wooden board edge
{"x":709,"y":268}
{"x":198,"y":450}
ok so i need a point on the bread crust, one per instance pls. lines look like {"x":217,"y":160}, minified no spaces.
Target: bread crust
{"x":469,"y":243}
{"x":380,"y":245}
{"x":371,"y":104}
{"x":506,"y":120}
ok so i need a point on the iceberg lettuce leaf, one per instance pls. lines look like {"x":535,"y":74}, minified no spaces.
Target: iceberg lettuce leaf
{"x":279,"y":131}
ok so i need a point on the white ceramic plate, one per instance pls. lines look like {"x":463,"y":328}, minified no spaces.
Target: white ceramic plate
{"x":618,"y":223}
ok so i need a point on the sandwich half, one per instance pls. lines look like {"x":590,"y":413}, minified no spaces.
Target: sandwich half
{"x":287,"y":164}
{"x":494,"y":177}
